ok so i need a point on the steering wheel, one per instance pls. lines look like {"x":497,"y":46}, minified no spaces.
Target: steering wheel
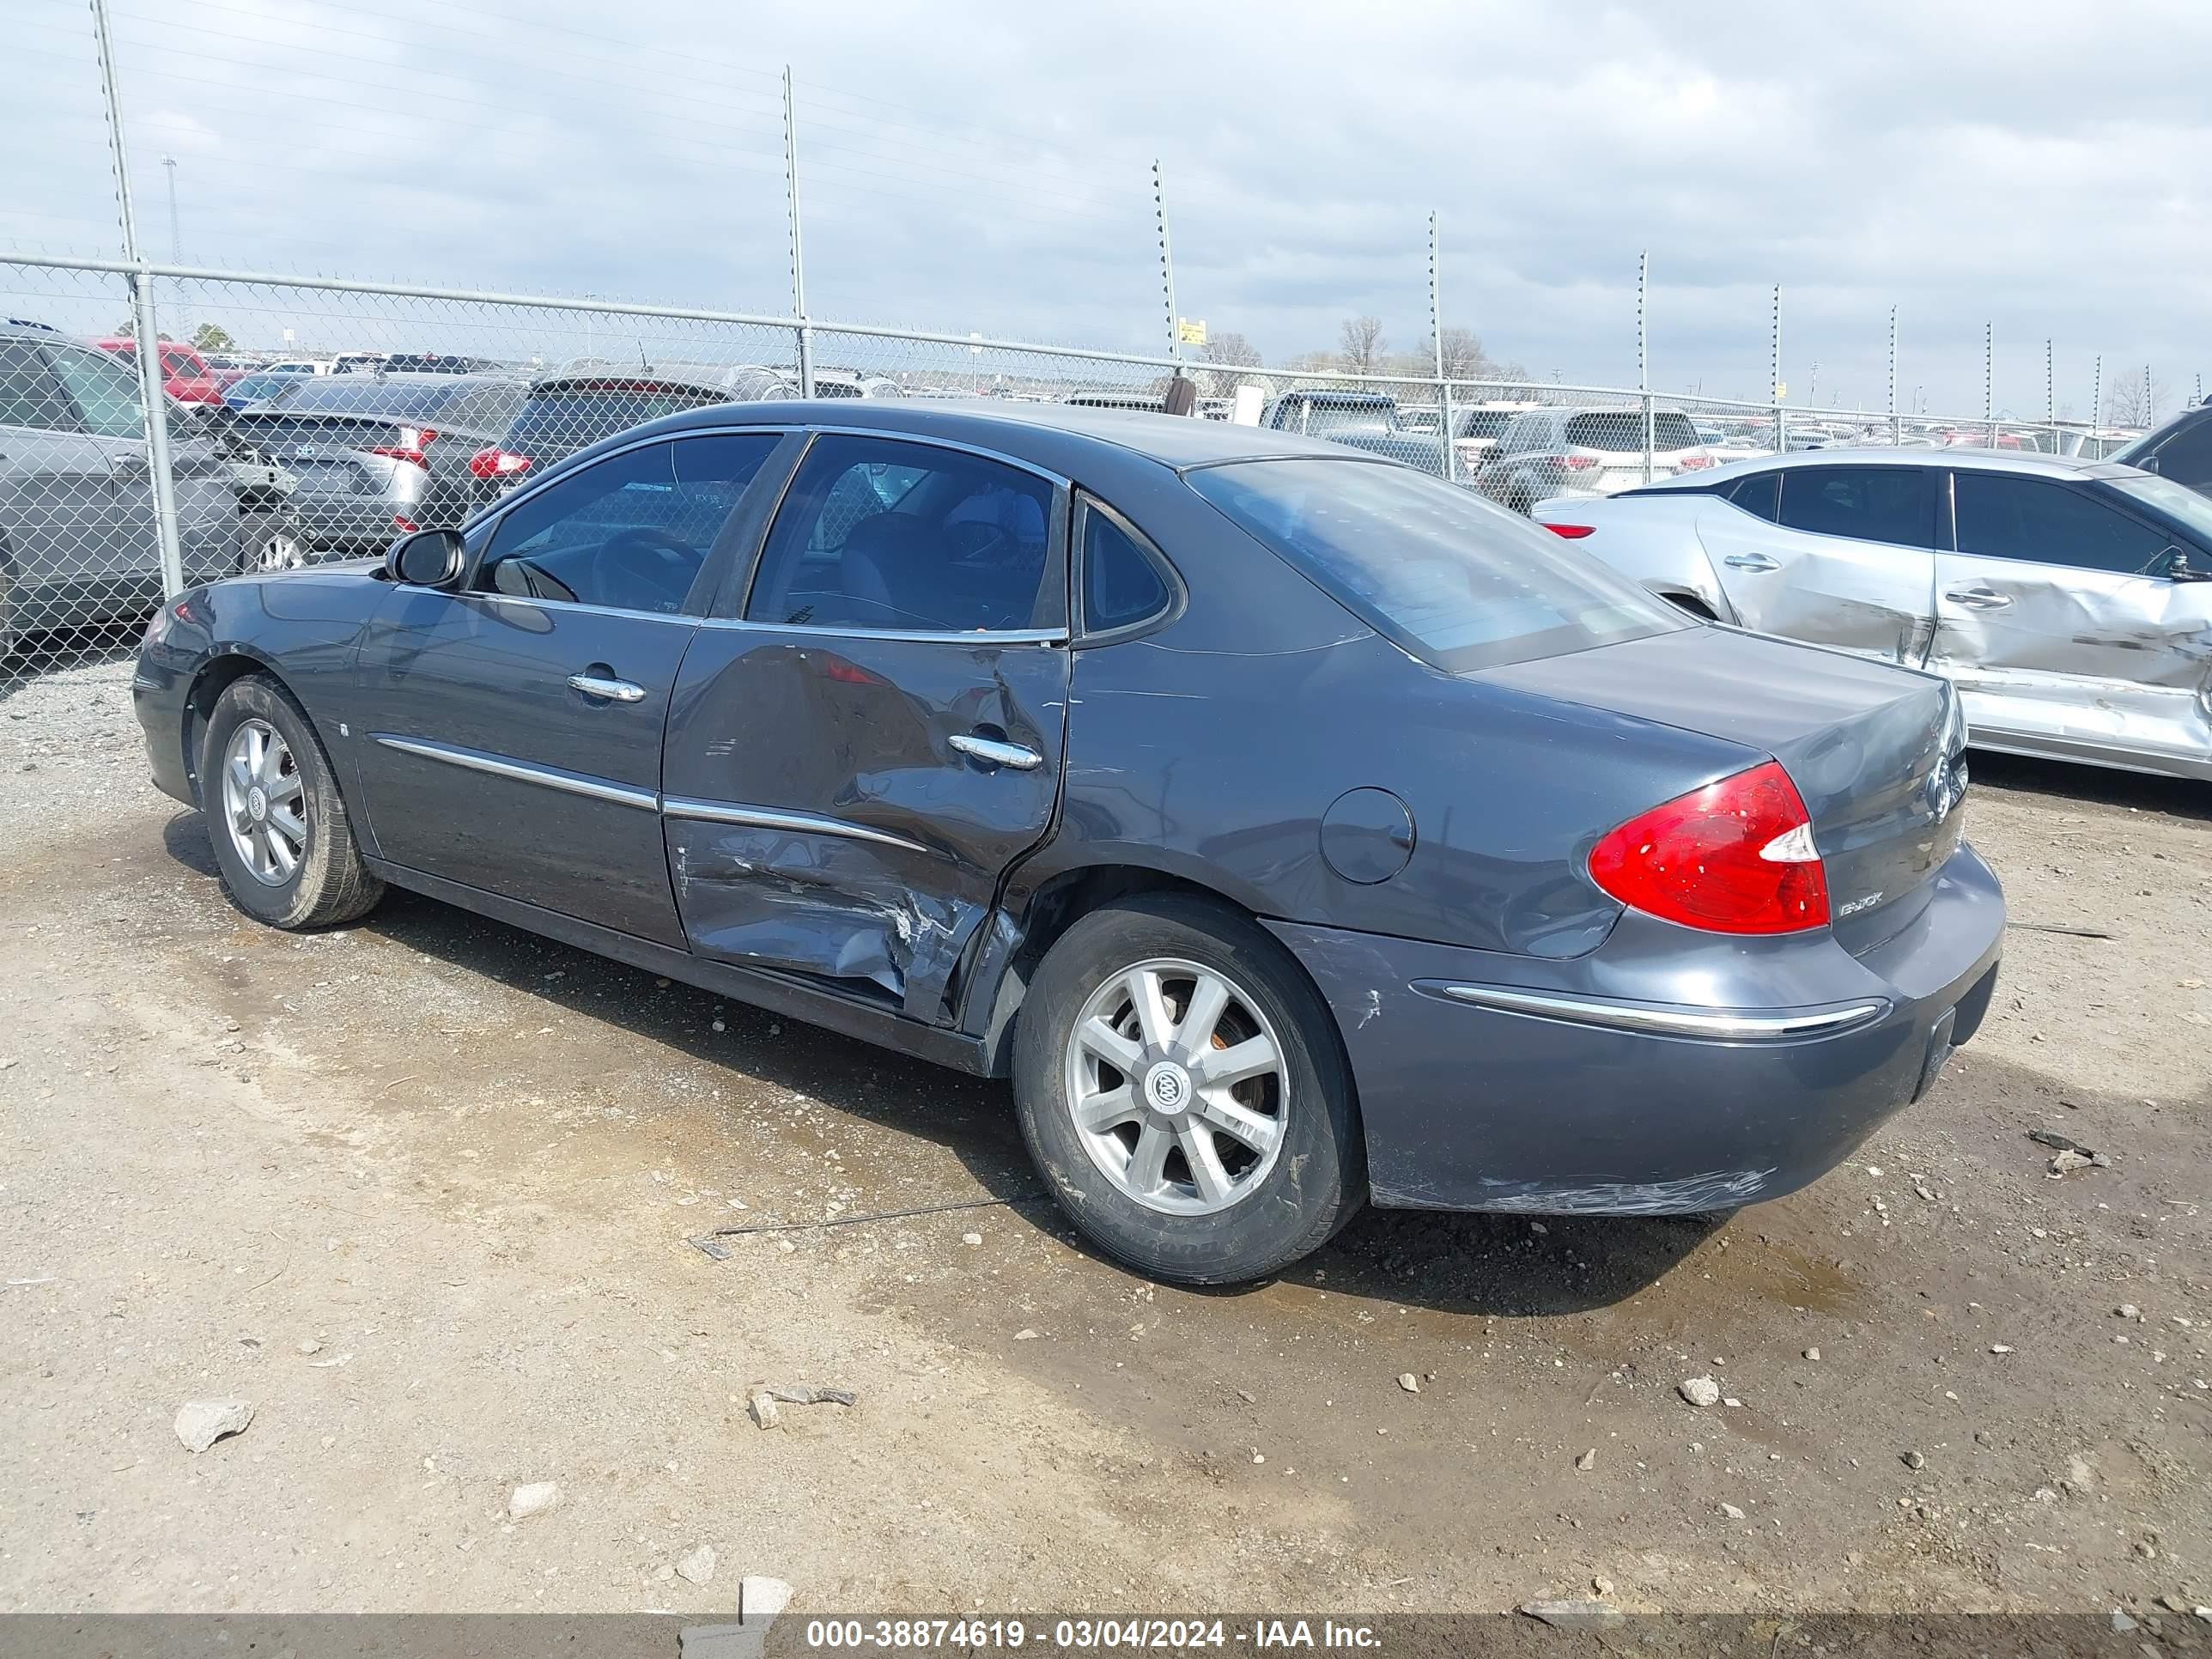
{"x":644,"y":557}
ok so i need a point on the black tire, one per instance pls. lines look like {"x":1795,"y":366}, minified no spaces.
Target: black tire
{"x":328,"y":884}
{"x":1318,"y":1180}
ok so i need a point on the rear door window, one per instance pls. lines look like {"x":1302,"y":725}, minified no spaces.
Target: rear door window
{"x":1447,"y":577}
{"x":1894,"y":504}
{"x":2044,"y":522}
{"x":881,"y":535}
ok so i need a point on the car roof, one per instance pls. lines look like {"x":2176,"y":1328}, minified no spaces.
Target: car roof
{"x":2031,"y":463}
{"x":1029,"y":429}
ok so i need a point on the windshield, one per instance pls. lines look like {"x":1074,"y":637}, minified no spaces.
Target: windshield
{"x":1453,"y":579}
{"x":2177,"y":503}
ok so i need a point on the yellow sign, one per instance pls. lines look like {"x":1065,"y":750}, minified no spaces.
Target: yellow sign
{"x":1190,"y":331}
{"x":1781,"y":390}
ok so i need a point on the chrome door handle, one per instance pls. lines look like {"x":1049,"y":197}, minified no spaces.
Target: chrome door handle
{"x":998,"y":753}
{"x":1751,"y":562}
{"x":592,"y":685}
{"x":1978,"y":599}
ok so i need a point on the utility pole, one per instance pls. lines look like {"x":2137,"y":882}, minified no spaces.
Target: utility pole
{"x":153,"y":393}
{"x":798,"y":245}
{"x":176,"y":236}
{"x":1436,"y":334}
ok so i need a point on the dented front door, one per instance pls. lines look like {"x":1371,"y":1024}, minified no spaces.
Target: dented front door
{"x":841,"y":804}
{"x":2053,"y":620}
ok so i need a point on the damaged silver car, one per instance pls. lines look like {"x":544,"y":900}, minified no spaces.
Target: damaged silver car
{"x":2070,"y":601}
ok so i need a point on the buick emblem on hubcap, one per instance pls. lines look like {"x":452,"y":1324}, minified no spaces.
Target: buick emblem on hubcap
{"x":257,"y":804}
{"x":1168,"y":1087}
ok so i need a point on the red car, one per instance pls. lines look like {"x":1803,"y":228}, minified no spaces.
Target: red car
{"x":188,"y":379}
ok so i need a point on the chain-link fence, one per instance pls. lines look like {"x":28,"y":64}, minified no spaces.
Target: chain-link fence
{"x":337,"y":414}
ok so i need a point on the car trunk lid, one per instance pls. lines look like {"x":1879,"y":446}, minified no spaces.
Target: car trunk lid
{"x":1874,"y":750}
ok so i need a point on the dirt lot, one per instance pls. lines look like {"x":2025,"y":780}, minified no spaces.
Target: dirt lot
{"x":421,"y":1191}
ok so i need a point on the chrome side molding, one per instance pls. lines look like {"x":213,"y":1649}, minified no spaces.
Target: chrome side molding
{"x":765,"y":817}
{"x":1729,"y":1025}
{"x":473,"y":760}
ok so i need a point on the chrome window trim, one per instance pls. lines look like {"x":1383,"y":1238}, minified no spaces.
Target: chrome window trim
{"x":684,"y":617}
{"x":766,"y":818}
{"x":475,"y":760}
{"x":914,"y":636}
{"x":1731,"y":1024}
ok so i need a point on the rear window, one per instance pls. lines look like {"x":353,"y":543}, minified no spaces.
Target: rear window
{"x":1621,"y":430}
{"x":1456,"y":582}
{"x":559,"y":422}
{"x":1483,"y":422}
{"x":364,"y":394}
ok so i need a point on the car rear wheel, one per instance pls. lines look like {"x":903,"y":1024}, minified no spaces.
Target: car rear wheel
{"x":1181,"y":1085}
{"x":271,"y":542}
{"x":282,"y":838}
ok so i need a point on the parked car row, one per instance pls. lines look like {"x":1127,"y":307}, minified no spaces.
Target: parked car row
{"x":2069,"y":601}
{"x":79,"y":539}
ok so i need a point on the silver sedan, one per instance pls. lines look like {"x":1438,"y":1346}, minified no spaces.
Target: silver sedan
{"x":2070,"y":601}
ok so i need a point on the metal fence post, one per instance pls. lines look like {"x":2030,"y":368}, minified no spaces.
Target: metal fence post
{"x":1166,"y":265}
{"x":1443,"y":384}
{"x":805,"y":328}
{"x":1989,"y":381}
{"x":1781,"y":425}
{"x":1644,"y":358}
{"x":2097,"y":406}
{"x":153,"y":394}
{"x":1896,"y":426}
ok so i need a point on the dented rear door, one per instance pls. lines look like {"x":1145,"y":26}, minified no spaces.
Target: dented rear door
{"x":854,"y":763}
{"x":2051,"y":620}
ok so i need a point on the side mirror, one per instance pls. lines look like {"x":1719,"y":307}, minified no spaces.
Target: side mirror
{"x":2149,"y":463}
{"x":2179,"y":565}
{"x":427,"y":558}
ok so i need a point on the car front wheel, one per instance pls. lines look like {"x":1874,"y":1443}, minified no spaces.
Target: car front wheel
{"x":1181,"y":1085}
{"x":282,"y":838}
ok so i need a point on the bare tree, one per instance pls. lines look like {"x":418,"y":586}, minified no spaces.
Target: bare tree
{"x":2136,"y":401}
{"x":1232,"y":350}
{"x":1362,"y":344}
{"x":1466,"y":360}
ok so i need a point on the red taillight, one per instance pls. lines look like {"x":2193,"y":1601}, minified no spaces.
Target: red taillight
{"x":401,"y":522}
{"x":401,"y":452}
{"x":497,"y":463}
{"x":1573,"y":533}
{"x":1735,"y":857}
{"x":1693,"y":460}
{"x":1575,"y":463}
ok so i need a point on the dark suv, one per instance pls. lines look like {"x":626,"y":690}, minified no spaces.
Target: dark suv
{"x":2180,"y":450}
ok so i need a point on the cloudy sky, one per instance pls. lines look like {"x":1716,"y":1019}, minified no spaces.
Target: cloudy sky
{"x":2037,"y":167}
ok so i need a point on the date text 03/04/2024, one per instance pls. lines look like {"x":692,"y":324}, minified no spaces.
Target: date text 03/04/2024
{"x":1079,"y":1635}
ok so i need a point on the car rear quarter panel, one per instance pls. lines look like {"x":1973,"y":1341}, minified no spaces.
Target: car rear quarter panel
{"x":1213,"y":748}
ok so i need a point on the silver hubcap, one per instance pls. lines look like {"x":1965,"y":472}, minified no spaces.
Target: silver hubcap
{"x":265,"y":803}
{"x":1177,"y":1086}
{"x":279,"y":550}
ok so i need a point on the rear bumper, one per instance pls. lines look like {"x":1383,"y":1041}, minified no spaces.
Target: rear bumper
{"x":160,"y":688}
{"x":1479,"y":1093}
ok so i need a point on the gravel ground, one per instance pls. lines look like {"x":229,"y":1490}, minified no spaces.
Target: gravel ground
{"x":420,"y":1192}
